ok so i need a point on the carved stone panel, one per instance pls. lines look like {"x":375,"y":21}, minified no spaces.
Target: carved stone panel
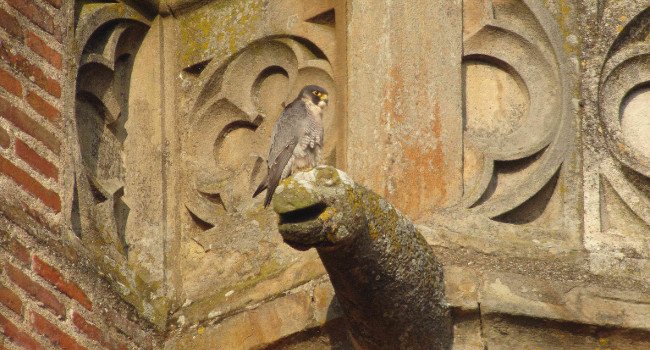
{"x":618,"y":173}
{"x":481,"y":126}
{"x":518,"y":118}
{"x":117,"y":157}
{"x":255,"y":60}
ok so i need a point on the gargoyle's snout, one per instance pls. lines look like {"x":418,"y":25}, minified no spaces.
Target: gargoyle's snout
{"x":308,"y":207}
{"x":303,"y":228}
{"x":302,"y":215}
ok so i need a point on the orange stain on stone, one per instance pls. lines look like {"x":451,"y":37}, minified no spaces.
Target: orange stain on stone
{"x":420,"y":183}
{"x":392,"y":97}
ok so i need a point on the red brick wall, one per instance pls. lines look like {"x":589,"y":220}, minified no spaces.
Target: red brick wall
{"x":31,"y":85}
{"x":49,"y":301}
{"x":49,"y":298}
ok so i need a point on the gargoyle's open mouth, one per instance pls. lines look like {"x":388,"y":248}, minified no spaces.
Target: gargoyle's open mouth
{"x":303,"y":228}
{"x":306,"y":214}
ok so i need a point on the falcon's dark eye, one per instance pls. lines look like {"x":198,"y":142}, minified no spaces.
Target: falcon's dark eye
{"x":315,"y":92}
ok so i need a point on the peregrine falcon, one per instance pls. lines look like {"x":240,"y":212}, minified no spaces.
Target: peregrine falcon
{"x":297,"y":139}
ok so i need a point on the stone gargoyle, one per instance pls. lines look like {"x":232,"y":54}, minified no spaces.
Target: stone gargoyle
{"x":385,"y":276}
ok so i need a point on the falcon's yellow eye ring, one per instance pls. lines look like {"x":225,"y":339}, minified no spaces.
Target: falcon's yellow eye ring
{"x":315,"y":92}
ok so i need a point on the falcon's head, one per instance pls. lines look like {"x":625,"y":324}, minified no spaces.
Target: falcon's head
{"x":316,"y":94}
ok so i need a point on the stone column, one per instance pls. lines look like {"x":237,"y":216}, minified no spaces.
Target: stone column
{"x":405,"y":104}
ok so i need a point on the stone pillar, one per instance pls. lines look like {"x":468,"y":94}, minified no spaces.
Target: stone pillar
{"x":405,"y":115}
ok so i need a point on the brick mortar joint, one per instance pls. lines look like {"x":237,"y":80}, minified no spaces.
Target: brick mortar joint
{"x":82,"y":273}
{"x":34,"y":278}
{"x":31,"y":306}
{"x":41,"y":5}
{"x":65,"y":327}
{"x":26,"y":107}
{"x":24,"y":50}
{"x":47,"y":183}
{"x":23,"y":106}
{"x":31,"y":52}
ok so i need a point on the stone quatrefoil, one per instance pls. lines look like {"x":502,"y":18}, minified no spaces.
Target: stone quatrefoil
{"x":517,"y":126}
{"x":233,"y":124}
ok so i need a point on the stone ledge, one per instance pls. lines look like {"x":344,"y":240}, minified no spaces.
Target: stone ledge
{"x":518,"y":295}
{"x":529,"y":279}
{"x":473,"y":294}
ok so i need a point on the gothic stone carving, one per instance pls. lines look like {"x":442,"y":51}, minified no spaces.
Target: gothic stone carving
{"x":518,"y":126}
{"x":232,"y":128}
{"x":108,"y":224}
{"x":236,"y":89}
{"x":505,"y":157}
{"x":621,"y":145}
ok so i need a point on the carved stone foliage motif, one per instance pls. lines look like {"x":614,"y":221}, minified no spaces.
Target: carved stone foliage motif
{"x":517,"y":114}
{"x":624,"y":102}
{"x":108,"y":36}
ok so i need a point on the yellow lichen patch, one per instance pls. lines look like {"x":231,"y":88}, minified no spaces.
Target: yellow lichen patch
{"x":328,"y":176}
{"x":293,"y":196}
{"x":327,"y":214}
{"x":219,"y":29}
{"x":564,"y":15}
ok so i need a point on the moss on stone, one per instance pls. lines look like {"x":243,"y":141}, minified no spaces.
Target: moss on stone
{"x":219,"y":29}
{"x":268,"y":270}
{"x":295,"y":196}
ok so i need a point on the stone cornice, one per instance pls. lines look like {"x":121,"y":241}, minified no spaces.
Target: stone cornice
{"x":166,"y":7}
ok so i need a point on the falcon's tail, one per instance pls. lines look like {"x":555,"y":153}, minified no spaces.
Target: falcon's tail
{"x":269,"y":193}
{"x":270,"y":189}
{"x":269,"y":185}
{"x":263,"y":185}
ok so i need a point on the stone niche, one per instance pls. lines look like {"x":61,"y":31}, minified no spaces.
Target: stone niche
{"x":173,"y":114}
{"x":514,"y":132}
{"x":116,"y":204}
{"x":234,"y":82}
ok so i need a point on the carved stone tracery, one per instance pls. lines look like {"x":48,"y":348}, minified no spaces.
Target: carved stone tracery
{"x":231,"y":104}
{"x":623,"y":97}
{"x":517,"y":127}
{"x":231,"y":131}
{"x":109,"y":36}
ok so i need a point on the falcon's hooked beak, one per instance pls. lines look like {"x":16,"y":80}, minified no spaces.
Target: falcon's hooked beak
{"x":323,"y":101}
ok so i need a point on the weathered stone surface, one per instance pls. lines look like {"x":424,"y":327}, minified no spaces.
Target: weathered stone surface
{"x":301,"y":309}
{"x":252,"y":57}
{"x":412,"y":99}
{"x":503,"y":332}
{"x":264,"y":325}
{"x":248,"y":293}
{"x":462,"y":287}
{"x":388,"y":282}
{"x":468,"y":333}
{"x":513,"y":131}
{"x":513,"y":294}
{"x":118,"y":187}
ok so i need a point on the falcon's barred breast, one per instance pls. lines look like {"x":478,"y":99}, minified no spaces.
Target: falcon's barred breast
{"x":297,"y":139}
